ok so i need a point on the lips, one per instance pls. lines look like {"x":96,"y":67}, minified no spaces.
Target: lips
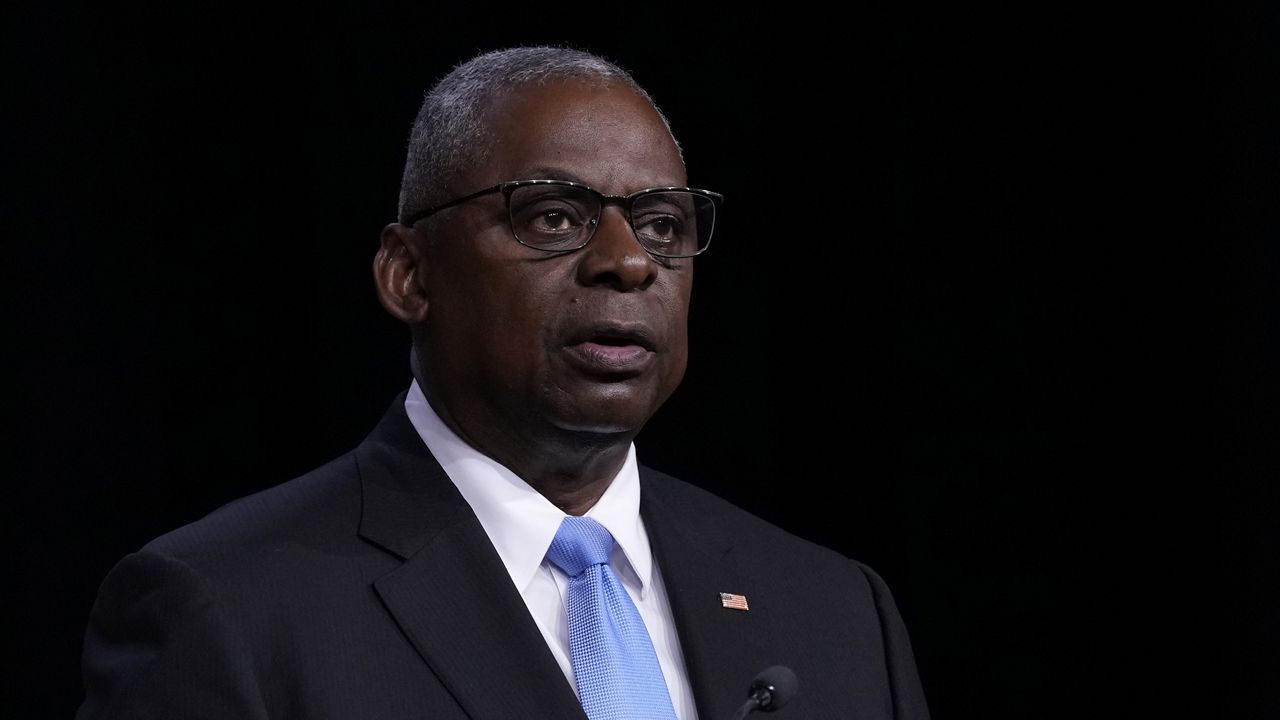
{"x":612,"y":348}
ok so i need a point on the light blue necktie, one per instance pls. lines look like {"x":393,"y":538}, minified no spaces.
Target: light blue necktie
{"x":613,"y":659}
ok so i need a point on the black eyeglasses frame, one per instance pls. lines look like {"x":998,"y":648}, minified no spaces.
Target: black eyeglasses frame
{"x":625,"y":201}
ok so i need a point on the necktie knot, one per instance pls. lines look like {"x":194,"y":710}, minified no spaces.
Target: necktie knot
{"x":580,"y":543}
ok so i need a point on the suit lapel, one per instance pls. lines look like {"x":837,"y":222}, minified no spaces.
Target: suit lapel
{"x":452,"y":585}
{"x":452,"y":597}
{"x":723,"y":648}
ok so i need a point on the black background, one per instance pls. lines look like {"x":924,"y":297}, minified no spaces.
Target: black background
{"x":994,"y":308}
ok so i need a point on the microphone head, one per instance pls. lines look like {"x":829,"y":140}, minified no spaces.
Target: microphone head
{"x":780,"y":683}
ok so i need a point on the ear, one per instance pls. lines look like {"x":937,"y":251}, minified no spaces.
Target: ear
{"x":398,"y":269}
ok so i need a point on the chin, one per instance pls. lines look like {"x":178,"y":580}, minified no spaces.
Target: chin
{"x":610,"y":416}
{"x":582,"y":404}
{"x":600,"y":425}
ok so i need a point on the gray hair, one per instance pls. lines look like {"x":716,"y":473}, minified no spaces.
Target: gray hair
{"x":450,"y":134}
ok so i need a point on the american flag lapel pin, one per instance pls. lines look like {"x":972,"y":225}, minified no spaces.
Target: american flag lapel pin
{"x":734,"y":602}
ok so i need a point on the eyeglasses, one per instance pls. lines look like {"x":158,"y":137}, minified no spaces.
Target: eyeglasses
{"x":560,"y":216}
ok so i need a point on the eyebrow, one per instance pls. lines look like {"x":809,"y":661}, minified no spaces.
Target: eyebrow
{"x":546,"y":172}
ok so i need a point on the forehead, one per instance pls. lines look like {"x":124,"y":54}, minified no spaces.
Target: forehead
{"x":604,"y":135}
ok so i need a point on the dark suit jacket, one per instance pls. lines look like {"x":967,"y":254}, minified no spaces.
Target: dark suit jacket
{"x":368,"y":589}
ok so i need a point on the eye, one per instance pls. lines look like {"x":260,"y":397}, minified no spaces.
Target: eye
{"x":552,"y":215}
{"x":672,"y":222}
{"x":659,"y":228}
{"x":551,"y":221}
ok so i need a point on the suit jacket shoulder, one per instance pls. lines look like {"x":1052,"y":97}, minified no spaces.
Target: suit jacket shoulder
{"x":364,"y":588}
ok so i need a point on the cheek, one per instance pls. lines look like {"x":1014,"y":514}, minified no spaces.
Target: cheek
{"x":681,"y":296}
{"x":678,"y":327}
{"x":523,"y":310}
{"x":489,"y":314}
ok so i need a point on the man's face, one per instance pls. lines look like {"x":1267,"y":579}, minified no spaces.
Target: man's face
{"x":530,"y":342}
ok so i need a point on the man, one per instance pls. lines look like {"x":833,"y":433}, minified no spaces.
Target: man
{"x":543,"y":261}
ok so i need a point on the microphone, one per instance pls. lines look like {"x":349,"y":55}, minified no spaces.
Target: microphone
{"x":772,"y":688}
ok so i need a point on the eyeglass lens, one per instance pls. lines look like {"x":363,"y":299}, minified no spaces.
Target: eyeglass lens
{"x":563,"y":217}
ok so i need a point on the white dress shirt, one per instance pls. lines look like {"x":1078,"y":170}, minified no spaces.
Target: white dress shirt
{"x":521,"y":524}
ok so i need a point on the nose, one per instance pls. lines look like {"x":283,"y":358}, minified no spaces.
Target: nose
{"x":615,"y":257}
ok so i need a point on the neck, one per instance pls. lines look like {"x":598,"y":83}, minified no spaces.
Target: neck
{"x":577,"y":490}
{"x":571,"y":469}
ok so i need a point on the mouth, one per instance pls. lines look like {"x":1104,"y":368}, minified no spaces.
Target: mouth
{"x":616,"y":334}
{"x":613,"y":349}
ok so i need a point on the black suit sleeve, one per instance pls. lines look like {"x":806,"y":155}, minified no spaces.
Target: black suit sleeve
{"x":904,"y":681}
{"x":159,"y":645}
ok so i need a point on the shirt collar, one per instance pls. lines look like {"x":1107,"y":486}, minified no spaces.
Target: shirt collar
{"x":518,"y":520}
